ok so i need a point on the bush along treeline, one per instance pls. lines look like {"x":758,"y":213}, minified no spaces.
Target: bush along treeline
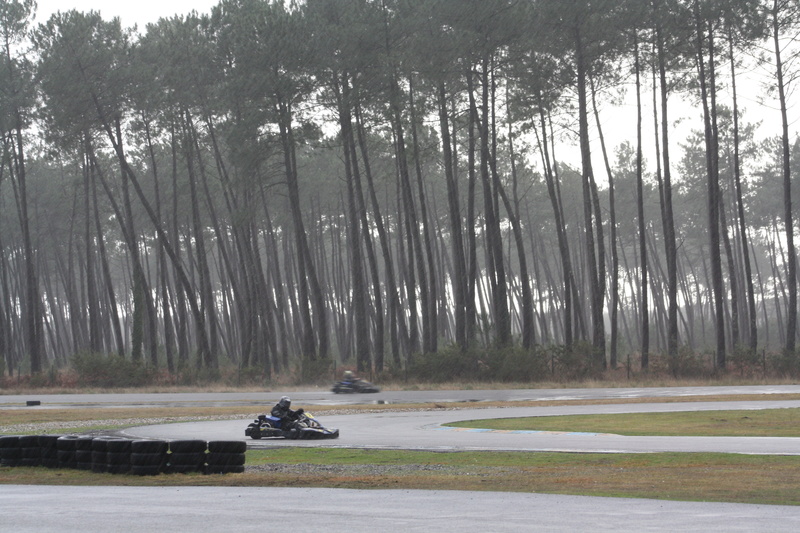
{"x":415,"y":188}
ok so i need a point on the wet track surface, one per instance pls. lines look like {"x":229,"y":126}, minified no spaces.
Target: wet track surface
{"x":217,"y":509}
{"x":326,"y":397}
{"x":425,"y":430}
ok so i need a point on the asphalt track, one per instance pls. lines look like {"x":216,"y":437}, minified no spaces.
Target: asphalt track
{"x":43,"y":509}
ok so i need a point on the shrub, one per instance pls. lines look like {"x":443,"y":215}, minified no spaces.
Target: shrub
{"x":316,"y":371}
{"x":575,"y":363}
{"x":448,"y":364}
{"x":515,"y":364}
{"x":100,"y":370}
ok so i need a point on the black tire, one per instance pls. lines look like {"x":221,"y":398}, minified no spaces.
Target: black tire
{"x":99,"y":461}
{"x":29,"y":441}
{"x":119,"y":445}
{"x":100,"y":444}
{"x":219,"y":469}
{"x":50,"y":462}
{"x":65,"y":456}
{"x":67,"y":442}
{"x":145,"y":470}
{"x":30,"y":453}
{"x":9,"y":450}
{"x":83,"y":456}
{"x":84,"y":442}
{"x":225,"y":459}
{"x":11,"y":453}
{"x":122,"y":468}
{"x":227,"y":446}
{"x":49,"y":441}
{"x":48,"y":445}
{"x":9,"y":441}
{"x":149,"y":459}
{"x":188,"y":446}
{"x":118,"y":458}
{"x":186,"y":459}
{"x":149,"y":446}
{"x":178,"y":469}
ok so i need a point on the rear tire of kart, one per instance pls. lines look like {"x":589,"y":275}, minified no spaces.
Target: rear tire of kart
{"x":188,"y":446}
{"x":227,"y":446}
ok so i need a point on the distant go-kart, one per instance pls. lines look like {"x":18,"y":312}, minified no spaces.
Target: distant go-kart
{"x":305,"y":427}
{"x":355,"y":385}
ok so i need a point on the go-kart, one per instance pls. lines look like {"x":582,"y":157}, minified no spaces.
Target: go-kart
{"x":355,"y":385}
{"x":305,"y":426}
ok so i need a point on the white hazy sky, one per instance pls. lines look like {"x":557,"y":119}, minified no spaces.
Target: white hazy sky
{"x":130,"y":12}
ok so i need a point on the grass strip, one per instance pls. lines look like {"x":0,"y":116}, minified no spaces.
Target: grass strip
{"x":715,"y":477}
{"x":751,"y":423}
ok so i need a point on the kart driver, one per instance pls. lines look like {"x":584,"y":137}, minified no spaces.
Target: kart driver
{"x":283,"y":411}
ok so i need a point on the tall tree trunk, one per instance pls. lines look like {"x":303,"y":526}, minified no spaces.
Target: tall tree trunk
{"x":597,"y":297}
{"x":670,"y":247}
{"x":430,"y":309}
{"x":310,"y":290}
{"x":612,"y":222}
{"x":354,"y":221}
{"x":493,"y":235}
{"x":791,"y":274}
{"x":748,"y":275}
{"x":563,"y":244}
{"x":458,"y":280}
{"x":644,"y":285}
{"x":712,"y":164}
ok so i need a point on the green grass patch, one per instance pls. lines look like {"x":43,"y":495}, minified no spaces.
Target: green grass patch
{"x":755,"y":423}
{"x":773,"y":480}
{"x":674,"y":476}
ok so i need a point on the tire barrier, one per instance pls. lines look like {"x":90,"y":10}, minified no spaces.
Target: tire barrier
{"x":83,"y":452}
{"x":9,"y":450}
{"x":65,"y":447}
{"x":49,"y":449}
{"x":118,"y":455}
{"x":30,"y":454}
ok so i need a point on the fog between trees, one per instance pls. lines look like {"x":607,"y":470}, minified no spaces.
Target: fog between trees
{"x":388,"y":183}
